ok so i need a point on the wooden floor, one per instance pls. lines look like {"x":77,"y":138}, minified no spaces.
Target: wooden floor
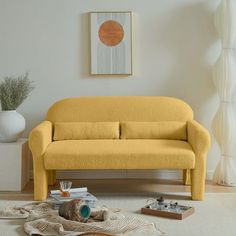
{"x":121,"y":186}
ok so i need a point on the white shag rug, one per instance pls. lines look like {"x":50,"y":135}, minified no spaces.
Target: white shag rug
{"x":216,"y":215}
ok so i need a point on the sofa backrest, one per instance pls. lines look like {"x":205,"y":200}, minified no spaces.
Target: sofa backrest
{"x":123,"y":108}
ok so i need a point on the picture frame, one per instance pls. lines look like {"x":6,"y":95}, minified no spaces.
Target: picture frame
{"x":111,"y":43}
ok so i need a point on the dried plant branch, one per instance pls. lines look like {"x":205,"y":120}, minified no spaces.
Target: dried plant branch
{"x":13,"y":91}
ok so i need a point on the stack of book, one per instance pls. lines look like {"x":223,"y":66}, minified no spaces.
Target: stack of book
{"x":75,"y":193}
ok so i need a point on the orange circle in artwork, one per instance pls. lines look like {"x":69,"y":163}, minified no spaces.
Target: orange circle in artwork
{"x":111,"y":33}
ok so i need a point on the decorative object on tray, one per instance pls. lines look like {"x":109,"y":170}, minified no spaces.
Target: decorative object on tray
{"x":13,"y":91}
{"x":158,"y":207}
{"x":76,"y":210}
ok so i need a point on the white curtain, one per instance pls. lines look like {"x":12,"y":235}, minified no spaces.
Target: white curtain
{"x":224,"y":77}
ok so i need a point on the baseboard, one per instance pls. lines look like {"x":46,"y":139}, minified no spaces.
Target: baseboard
{"x":123,"y":174}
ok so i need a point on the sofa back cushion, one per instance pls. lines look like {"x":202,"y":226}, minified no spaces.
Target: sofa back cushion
{"x":123,"y":108}
{"x":154,"y":130}
{"x":86,"y":130}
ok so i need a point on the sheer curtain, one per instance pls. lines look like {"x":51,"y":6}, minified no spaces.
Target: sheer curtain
{"x":224,"y":77}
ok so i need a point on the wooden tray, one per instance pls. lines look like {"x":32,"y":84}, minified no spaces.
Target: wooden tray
{"x":168,"y":214}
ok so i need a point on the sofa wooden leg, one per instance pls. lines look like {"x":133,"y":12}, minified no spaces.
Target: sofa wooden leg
{"x":198,"y":184}
{"x":40,"y":184}
{"x":51,"y":177}
{"x":186,"y":177}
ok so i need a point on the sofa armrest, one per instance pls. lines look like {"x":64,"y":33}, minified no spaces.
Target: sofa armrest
{"x":198,"y":137}
{"x":40,"y":137}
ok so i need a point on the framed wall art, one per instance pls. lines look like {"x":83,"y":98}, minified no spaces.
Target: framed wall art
{"x":111,"y":43}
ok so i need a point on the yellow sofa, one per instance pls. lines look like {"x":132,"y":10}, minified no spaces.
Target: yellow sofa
{"x":133,"y":132}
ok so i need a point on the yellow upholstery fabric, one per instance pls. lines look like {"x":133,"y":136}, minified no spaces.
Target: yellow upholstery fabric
{"x":140,"y":153}
{"x":199,"y":139}
{"x":39,"y":139}
{"x":154,"y":130}
{"x":86,"y":130}
{"x":119,"y":154}
{"x":94,"y":109}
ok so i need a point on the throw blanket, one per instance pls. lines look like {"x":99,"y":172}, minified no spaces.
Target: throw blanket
{"x":41,"y":219}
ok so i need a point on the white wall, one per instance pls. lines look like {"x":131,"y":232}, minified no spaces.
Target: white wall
{"x":175,"y":45}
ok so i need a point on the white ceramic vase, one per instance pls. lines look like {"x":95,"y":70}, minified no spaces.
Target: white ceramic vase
{"x":12,"y":126}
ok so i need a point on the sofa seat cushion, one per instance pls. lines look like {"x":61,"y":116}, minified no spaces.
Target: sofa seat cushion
{"x":119,"y":154}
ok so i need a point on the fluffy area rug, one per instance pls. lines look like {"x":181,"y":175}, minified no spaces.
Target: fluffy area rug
{"x":214,"y":216}
{"x":42,"y":219}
